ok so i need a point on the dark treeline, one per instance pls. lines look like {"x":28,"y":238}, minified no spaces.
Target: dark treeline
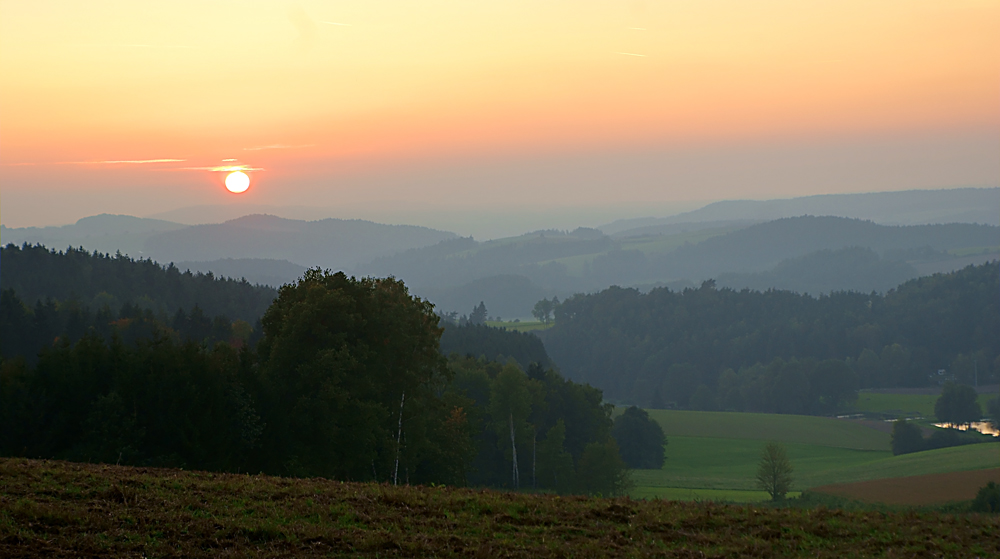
{"x":778,"y":351}
{"x":346,"y":382}
{"x":95,"y":280}
{"x":25,"y":331}
{"x":494,"y":344}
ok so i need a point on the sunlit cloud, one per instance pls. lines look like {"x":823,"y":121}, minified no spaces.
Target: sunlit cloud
{"x":278,"y":146}
{"x":222,"y":168}
{"x":229,"y":160}
{"x":631,"y":54}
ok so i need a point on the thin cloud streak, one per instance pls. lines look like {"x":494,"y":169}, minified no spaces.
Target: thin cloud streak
{"x":278,"y":146}
{"x":128,"y":161}
{"x":220,"y":169}
{"x":631,"y":54}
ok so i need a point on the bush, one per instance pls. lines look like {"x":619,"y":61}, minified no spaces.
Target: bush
{"x":906,"y":438}
{"x":988,"y":498}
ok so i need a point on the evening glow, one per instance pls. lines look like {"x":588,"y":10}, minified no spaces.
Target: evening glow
{"x":489,"y":102}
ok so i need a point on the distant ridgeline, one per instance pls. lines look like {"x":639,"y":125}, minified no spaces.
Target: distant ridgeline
{"x":778,"y":351}
{"x":49,"y":295}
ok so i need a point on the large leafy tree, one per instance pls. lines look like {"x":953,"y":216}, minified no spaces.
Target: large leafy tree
{"x":957,"y":404}
{"x":640,"y":439}
{"x":351,"y":369}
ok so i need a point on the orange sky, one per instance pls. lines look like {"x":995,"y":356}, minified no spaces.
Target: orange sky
{"x":437,"y":101}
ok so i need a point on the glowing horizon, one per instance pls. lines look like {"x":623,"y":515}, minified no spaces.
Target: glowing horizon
{"x":379,"y":100}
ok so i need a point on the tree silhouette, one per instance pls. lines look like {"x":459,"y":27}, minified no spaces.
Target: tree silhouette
{"x":957,"y":405}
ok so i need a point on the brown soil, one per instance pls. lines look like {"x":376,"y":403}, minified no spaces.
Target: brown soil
{"x":931,"y":489}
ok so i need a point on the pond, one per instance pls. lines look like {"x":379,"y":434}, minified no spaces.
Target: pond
{"x":983,"y":427}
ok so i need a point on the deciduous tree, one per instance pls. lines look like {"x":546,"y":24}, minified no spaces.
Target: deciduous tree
{"x":774,"y":473}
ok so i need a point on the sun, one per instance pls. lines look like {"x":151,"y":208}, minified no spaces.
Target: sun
{"x":237,"y":182}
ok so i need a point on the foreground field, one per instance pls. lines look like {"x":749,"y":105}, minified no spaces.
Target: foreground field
{"x":933,"y":489}
{"x":57,"y":509}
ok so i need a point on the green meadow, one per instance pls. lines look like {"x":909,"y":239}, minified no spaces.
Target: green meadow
{"x":804,"y":429}
{"x":904,"y":405}
{"x":714,"y":455}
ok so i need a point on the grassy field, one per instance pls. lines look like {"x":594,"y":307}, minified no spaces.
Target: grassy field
{"x":805,"y":429}
{"x":58,"y":509}
{"x":730,"y":464}
{"x":714,"y":455}
{"x":904,"y":405}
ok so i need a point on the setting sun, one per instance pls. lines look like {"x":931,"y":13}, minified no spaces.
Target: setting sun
{"x":237,"y":182}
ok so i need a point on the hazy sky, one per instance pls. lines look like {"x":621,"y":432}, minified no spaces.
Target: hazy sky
{"x":400,"y":109}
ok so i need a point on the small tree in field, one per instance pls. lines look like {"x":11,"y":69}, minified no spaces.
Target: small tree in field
{"x":774,"y":474}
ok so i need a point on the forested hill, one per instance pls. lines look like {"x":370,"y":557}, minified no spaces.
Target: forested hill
{"x":723,"y":349}
{"x":764,"y":245}
{"x":494,"y":344}
{"x":36,"y":273}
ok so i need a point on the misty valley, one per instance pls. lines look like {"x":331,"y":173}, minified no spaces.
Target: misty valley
{"x":796,"y":363}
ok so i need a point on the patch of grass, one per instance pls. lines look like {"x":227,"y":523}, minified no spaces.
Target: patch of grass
{"x":943,"y":460}
{"x":431,"y":522}
{"x":802,"y":429}
{"x":523,"y":326}
{"x":697,"y":494}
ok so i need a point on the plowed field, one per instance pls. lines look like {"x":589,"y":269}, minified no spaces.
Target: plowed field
{"x":931,"y":489}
